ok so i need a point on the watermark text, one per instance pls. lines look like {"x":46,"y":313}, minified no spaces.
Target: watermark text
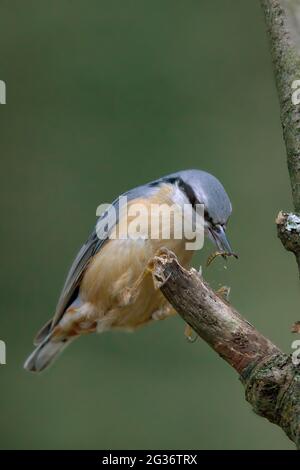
{"x":2,"y":92}
{"x":2,"y":352}
{"x":141,"y":221}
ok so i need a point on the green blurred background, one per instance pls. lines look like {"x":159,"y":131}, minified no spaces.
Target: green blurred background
{"x":101,"y":97}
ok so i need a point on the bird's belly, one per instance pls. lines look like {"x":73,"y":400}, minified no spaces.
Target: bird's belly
{"x":117,"y":267}
{"x":141,"y":310}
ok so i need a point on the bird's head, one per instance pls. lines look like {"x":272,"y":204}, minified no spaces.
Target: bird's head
{"x":203,"y":188}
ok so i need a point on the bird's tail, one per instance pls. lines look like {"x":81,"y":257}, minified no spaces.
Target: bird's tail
{"x":46,"y":353}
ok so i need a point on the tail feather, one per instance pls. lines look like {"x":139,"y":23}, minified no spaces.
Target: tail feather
{"x":45,"y":354}
{"x":43,"y":333}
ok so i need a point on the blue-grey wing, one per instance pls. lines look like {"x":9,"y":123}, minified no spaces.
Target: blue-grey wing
{"x":72,"y":283}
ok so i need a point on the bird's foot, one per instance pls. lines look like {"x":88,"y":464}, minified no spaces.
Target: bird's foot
{"x":163,"y":313}
{"x":190,"y":334}
{"x":162,"y":255}
{"x":223,"y":292}
{"x":129,"y":295}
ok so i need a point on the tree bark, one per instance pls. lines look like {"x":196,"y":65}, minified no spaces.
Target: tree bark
{"x":282,"y":18}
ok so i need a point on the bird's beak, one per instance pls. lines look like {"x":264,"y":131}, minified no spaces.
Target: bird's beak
{"x":220,"y":239}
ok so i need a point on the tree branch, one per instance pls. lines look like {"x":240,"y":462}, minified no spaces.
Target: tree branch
{"x":271,"y":381}
{"x":282,"y":19}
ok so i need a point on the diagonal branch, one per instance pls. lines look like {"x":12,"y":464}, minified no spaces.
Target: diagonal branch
{"x":272,"y":382}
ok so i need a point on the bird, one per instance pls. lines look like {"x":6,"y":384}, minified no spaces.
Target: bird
{"x":108,"y":286}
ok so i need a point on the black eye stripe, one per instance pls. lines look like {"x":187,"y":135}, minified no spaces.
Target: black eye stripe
{"x":186,"y":188}
{"x":189,"y":192}
{"x":208,"y":218}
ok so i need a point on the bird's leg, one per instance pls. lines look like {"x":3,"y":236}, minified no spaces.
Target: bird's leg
{"x":128,"y":295}
{"x":164,"y":312}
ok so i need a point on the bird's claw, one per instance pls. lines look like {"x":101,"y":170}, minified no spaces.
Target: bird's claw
{"x":224,"y":292}
{"x":189,"y":334}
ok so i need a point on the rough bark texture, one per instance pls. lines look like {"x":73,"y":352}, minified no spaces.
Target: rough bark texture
{"x":282,"y":19}
{"x":271,"y":381}
{"x":217,"y":322}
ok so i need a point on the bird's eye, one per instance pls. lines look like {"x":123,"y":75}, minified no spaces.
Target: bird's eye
{"x":216,"y":228}
{"x":219,"y":227}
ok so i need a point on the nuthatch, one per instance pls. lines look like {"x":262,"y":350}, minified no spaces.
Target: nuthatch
{"x":108,"y":286}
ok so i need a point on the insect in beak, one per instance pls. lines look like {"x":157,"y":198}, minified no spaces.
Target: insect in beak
{"x":224,"y":249}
